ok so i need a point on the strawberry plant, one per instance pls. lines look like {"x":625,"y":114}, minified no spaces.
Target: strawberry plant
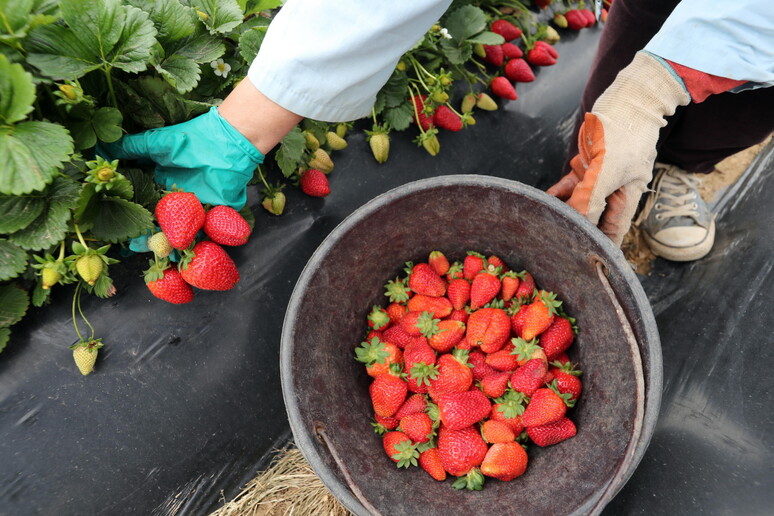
{"x":74,"y":73}
{"x":469,"y":396}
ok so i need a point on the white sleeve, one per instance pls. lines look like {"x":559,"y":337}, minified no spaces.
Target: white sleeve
{"x":327,"y":59}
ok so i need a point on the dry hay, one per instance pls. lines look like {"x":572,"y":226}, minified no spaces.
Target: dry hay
{"x":289,"y":487}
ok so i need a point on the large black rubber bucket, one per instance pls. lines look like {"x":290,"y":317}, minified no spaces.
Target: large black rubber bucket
{"x":618,"y":348}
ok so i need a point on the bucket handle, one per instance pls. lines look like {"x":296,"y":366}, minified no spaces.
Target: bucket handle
{"x":319,"y":429}
{"x":639,"y":377}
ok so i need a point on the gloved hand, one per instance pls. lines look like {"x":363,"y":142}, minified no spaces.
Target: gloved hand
{"x":206,"y":156}
{"x":617,"y":144}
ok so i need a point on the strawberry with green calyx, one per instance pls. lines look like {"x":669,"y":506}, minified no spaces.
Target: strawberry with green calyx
{"x":430,"y":461}
{"x":314,"y":183}
{"x":87,"y":262}
{"x":424,"y":280}
{"x":557,"y":338}
{"x":488,"y":328}
{"x":545,"y":406}
{"x":165,"y":282}
{"x":388,"y":392}
{"x":438,"y":307}
{"x":459,"y":410}
{"x":527,"y":350}
{"x":321,"y":161}
{"x":561,"y":20}
{"x":508,"y":409}
{"x":104,"y":176}
{"x":419,"y":360}
{"x":423,"y":112}
{"x":450,"y":333}
{"x":503,"y":88}
{"x":372,"y":351}
{"x":530,"y":377}
{"x":454,"y":374}
{"x":336,"y":142}
{"x":159,"y":244}
{"x":342,"y":128}
{"x":419,"y":323}
{"x":85,"y":354}
{"x":379,"y":141}
{"x":397,"y":290}
{"x":473,"y":480}
{"x":225,"y":226}
{"x":419,"y":427}
{"x":510,"y":284}
{"x":378,"y":318}
{"x":468,"y":103}
{"x":493,"y":54}
{"x":455,"y":271}
{"x":181,"y":216}
{"x":473,"y":264}
{"x":526,"y":286}
{"x":485,"y":102}
{"x":394,"y":356}
{"x":429,"y":140}
{"x":565,"y":378}
{"x":273,"y":200}
{"x":505,"y":461}
{"x":400,"y":449}
{"x":311,"y":141}
{"x":541,"y":54}
{"x":438,"y":261}
{"x":382,"y":425}
{"x":458,"y":292}
{"x":503,"y":359}
{"x":52,"y":271}
{"x":552,"y":433}
{"x":461,"y":451}
{"x":485,"y":286}
{"x":539,"y":314}
{"x":207,"y":266}
{"x":497,"y":432}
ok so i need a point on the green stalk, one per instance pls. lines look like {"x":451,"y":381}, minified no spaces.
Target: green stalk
{"x":84,"y":317}
{"x":76,"y":296}
{"x":416,"y":111}
{"x":80,"y":236}
{"x":110,"y":87}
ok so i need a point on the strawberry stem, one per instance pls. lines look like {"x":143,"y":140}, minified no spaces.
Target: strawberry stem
{"x":416,"y":111}
{"x":80,"y":236}
{"x":83,"y":316}
{"x":61,"y":251}
{"x":75,"y":321}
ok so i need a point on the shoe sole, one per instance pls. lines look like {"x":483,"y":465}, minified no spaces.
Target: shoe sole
{"x":682,"y":254}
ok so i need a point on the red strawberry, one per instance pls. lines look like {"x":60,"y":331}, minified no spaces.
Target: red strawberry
{"x":462,"y":409}
{"x":459,"y":315}
{"x":400,"y":449}
{"x":517,"y":320}
{"x":398,"y":335}
{"x":384,"y":424}
{"x":549,"y":48}
{"x":503,"y":88}
{"x":440,"y":307}
{"x":378,"y":318}
{"x":506,"y":29}
{"x":315,"y":183}
{"x":542,"y":54}
{"x":181,"y":216}
{"x":518,"y":70}
{"x":494,"y":262}
{"x":447,"y":119}
{"x":588,"y":16}
{"x":394,"y":356}
{"x":425,"y":119}
{"x":603,"y":15}
{"x":505,"y":461}
{"x":557,"y":338}
{"x":510,"y":283}
{"x":410,"y":324}
{"x":472,"y":265}
{"x":377,"y":355}
{"x":454,"y":272}
{"x":503,"y":359}
{"x":480,"y":368}
{"x":513,"y":422}
{"x":396,"y":311}
{"x":575,"y":19}
{"x":495,"y":384}
{"x":450,"y":333}
{"x":527,"y":285}
{"x":567,"y":381}
{"x":494,"y":55}
{"x":388,"y":392}
{"x":415,"y":404}
{"x":540,"y":314}
{"x":529,"y":377}
{"x":419,"y":427}
{"x":438,"y":261}
{"x":419,"y":359}
{"x":485,"y":286}
{"x":430,"y":461}
{"x":497,"y":432}
{"x":225,"y":226}
{"x":209,"y":267}
{"x":458,"y":293}
{"x":488,"y":328}
{"x":527,"y":350}
{"x":454,"y":374}
{"x":545,"y":407}
{"x":424,"y":280}
{"x":563,"y":358}
{"x":461,"y":450}
{"x":511,"y":51}
{"x":552,"y":433}
{"x":165,"y":282}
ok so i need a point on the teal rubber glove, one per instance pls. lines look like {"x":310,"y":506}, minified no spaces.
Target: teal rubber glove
{"x":206,"y":156}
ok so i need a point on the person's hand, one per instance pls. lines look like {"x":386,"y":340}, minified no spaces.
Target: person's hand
{"x":206,"y":156}
{"x":617,"y":145}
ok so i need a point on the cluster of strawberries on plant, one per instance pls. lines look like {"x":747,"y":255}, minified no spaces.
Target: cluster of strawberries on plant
{"x":469,"y":363}
{"x":204,"y":264}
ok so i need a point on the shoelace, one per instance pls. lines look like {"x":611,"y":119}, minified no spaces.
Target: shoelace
{"x":675,"y":194}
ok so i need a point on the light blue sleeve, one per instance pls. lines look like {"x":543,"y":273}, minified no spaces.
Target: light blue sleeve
{"x":327,"y":59}
{"x":733,"y":39}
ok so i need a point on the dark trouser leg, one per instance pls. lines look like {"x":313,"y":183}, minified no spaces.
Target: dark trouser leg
{"x":698,"y":135}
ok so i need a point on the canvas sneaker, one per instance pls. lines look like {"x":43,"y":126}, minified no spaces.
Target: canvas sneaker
{"x":675,"y":221}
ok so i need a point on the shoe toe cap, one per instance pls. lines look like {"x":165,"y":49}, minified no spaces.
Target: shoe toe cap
{"x":682,"y":236}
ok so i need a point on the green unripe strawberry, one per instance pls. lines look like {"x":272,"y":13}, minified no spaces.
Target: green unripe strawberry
{"x":159,"y":244}
{"x":85,"y":355}
{"x":468,"y":103}
{"x":312,"y":143}
{"x":202,"y":15}
{"x":440,"y":96}
{"x":486,"y":102}
{"x":552,"y":37}
{"x":321,"y":161}
{"x":380,"y":146}
{"x":68,"y":91}
{"x":335,"y":141}
{"x":341,"y":129}
{"x":401,"y":66}
{"x":478,"y":49}
{"x":560,"y":20}
{"x":274,"y":204}
{"x":89,"y":267}
{"x":49,"y":277}
{"x":431,"y":144}
{"x":105,"y":174}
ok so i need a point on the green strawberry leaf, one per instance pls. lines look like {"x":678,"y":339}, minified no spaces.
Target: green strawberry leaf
{"x":151,"y":102}
{"x":86,"y":207}
{"x":103,"y":287}
{"x":16,"y":212}
{"x":201,"y":47}
{"x":180,"y":72}
{"x":17,"y":91}
{"x":399,"y":117}
{"x":98,"y":34}
{"x":457,"y":52}
{"x":221,"y":15}
{"x":172,"y":20}
{"x":118,"y":220}
{"x":13,"y":305}
{"x":13,"y":260}
{"x":15,"y":18}
{"x":255,"y":6}
{"x":487,"y":38}
{"x":146,"y":193}
{"x":250,"y":42}
{"x":290,"y":154}
{"x":50,"y":227}
{"x":465,"y":22}
{"x":40,"y":296}
{"x":31,"y":154}
{"x":395,"y":91}
{"x":5,"y":336}
{"x":88,"y":125}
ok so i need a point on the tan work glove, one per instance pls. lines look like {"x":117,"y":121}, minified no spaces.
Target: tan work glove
{"x":617,"y":145}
